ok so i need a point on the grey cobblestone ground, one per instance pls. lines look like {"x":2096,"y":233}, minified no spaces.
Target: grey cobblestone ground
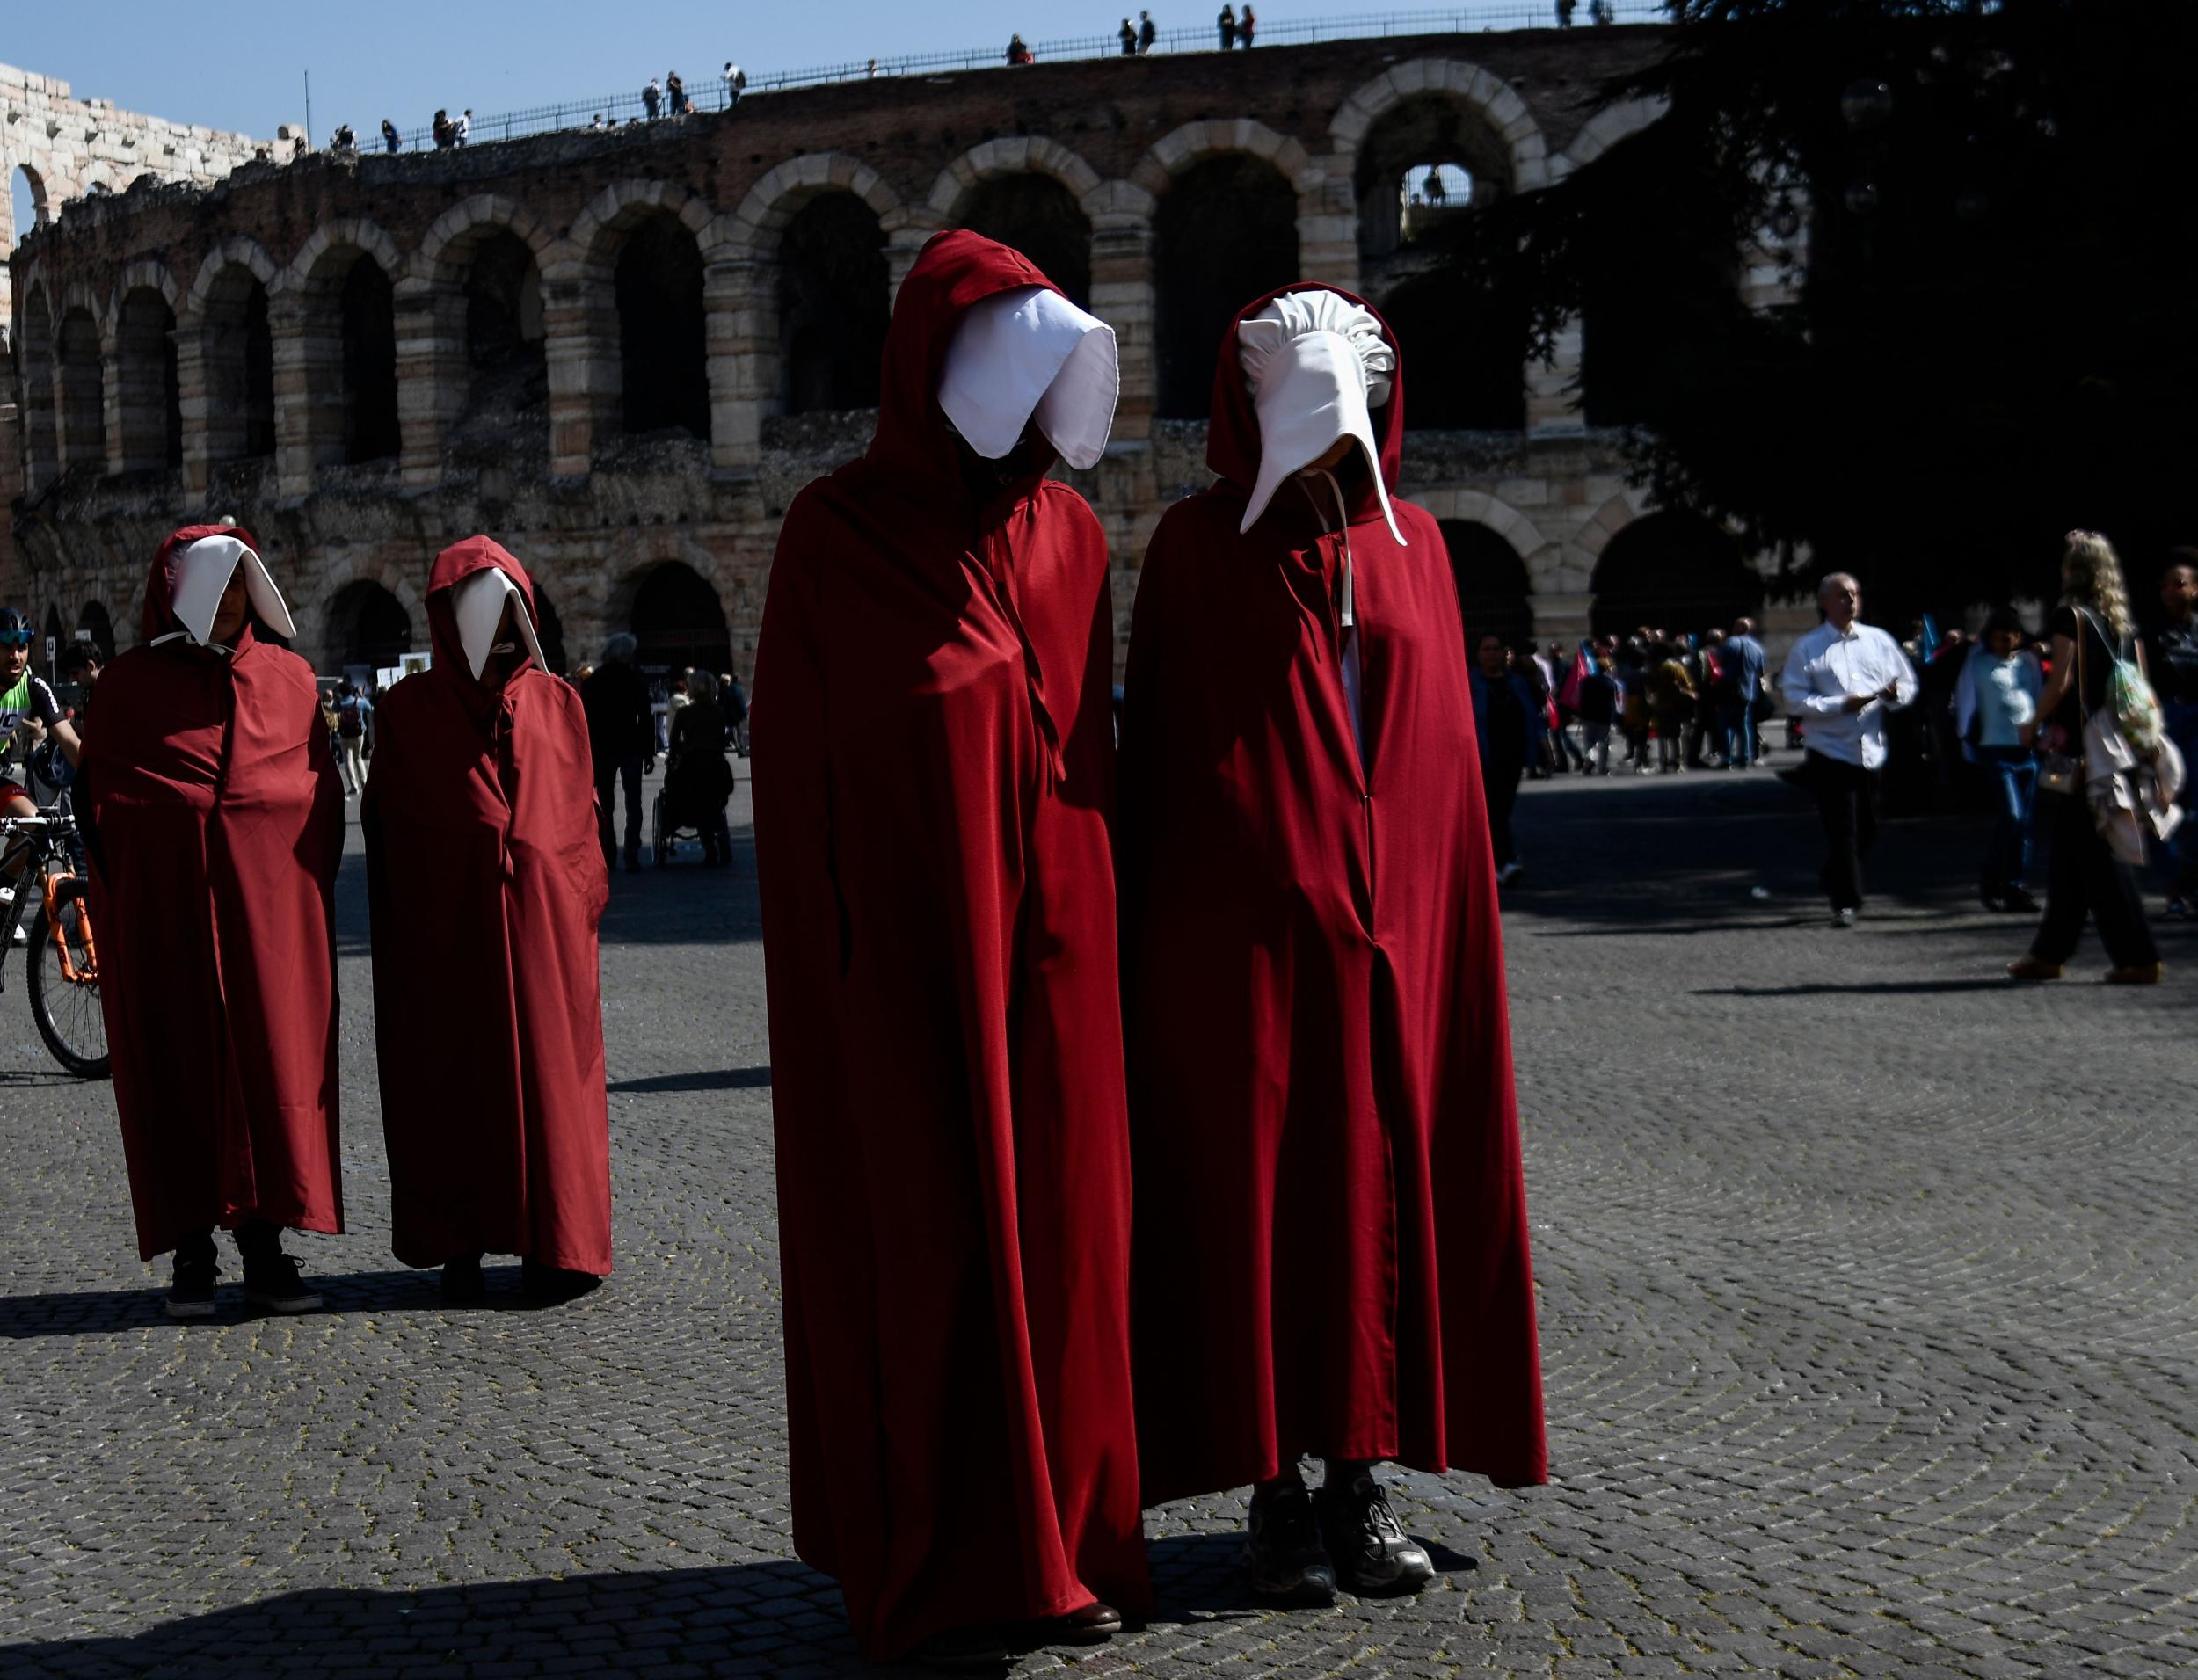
{"x":1868,"y":1293}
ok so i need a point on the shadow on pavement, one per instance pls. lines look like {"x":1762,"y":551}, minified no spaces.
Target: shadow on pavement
{"x":725,"y":1079}
{"x":103,"y":1311}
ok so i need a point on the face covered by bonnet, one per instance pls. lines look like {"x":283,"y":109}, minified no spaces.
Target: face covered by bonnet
{"x":1027,"y":355}
{"x":202,"y":574}
{"x":477,"y":601}
{"x":1316,"y":367}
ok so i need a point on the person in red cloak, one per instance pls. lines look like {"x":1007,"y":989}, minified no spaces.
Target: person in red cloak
{"x":1331,"y":1249}
{"x":933,"y":746}
{"x":214,"y":821}
{"x":486,"y":881}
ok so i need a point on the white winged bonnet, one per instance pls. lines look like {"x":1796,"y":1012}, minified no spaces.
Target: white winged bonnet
{"x":201,"y":578}
{"x":1316,"y":366}
{"x":1027,"y":354}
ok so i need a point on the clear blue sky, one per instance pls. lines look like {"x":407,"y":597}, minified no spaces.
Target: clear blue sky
{"x":237,"y":65}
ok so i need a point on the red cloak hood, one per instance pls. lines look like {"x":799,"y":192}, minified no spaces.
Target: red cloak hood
{"x":159,"y":616}
{"x":453,"y":566}
{"x":1233,"y":438}
{"x":915,"y":446}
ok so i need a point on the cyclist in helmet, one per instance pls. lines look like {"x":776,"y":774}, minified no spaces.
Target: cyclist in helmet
{"x":28,"y":713}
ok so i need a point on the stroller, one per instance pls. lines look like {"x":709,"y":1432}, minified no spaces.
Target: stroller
{"x":698,"y":780}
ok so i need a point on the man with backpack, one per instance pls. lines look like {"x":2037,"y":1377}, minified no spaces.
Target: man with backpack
{"x":354,"y":738}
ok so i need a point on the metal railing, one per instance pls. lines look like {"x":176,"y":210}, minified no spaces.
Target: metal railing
{"x":618,"y":110}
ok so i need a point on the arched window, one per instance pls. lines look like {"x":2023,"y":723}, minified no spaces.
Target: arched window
{"x":679,"y":621}
{"x":1226,"y":233}
{"x":662,"y":352}
{"x":239,"y":368}
{"x":34,"y":366}
{"x":1494,"y":593}
{"x":84,"y":393}
{"x":1672,"y":571}
{"x":1040,"y":218}
{"x":350,"y":327}
{"x":367,"y":629}
{"x":1434,"y":152}
{"x":94,"y":625}
{"x":507,"y":369}
{"x":27,"y":202}
{"x":151,"y":400}
{"x":833,"y":307}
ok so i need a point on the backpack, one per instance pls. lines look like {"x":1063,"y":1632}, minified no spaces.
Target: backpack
{"x":347,"y":722}
{"x":2135,"y":708}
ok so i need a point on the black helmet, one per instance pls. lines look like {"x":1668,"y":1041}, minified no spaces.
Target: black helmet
{"x":15,"y":628}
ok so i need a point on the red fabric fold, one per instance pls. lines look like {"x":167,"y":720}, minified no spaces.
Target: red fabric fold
{"x":219,"y":817}
{"x":1332,"y":1251}
{"x":487,"y":882}
{"x":933,"y":753}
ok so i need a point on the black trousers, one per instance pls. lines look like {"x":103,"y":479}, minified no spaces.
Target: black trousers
{"x":2084,"y":876}
{"x":1499,"y":784}
{"x":609,"y":774}
{"x":1846,"y":802}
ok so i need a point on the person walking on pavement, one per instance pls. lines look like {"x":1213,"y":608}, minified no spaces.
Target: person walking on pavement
{"x":1842,"y":679}
{"x":1597,"y":705}
{"x":1743,"y":664}
{"x":1506,"y":722}
{"x":1332,"y":1254}
{"x":485,"y":890}
{"x":2091,"y":631}
{"x":621,"y":732}
{"x":1996,"y":719}
{"x":214,"y":826}
{"x":2173,"y":664}
{"x":355,"y":737}
{"x":934,"y":771}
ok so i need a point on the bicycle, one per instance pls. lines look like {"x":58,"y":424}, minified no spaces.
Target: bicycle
{"x":62,"y":959}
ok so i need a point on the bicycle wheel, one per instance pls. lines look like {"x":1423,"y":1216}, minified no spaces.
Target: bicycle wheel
{"x":67,"y":1011}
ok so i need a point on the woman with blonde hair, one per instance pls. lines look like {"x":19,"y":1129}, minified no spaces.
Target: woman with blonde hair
{"x":2090,"y":629}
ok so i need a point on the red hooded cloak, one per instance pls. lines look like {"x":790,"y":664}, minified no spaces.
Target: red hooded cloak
{"x":487,"y":882}
{"x":933,"y":789}
{"x":1331,"y":1220}
{"x":219,"y":824}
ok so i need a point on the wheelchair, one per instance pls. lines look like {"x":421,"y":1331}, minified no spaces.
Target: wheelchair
{"x":690,"y":806}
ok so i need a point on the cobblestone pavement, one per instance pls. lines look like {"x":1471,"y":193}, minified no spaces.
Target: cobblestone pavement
{"x":1868,"y":1294}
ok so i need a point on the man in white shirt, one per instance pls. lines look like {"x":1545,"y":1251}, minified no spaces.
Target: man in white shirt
{"x":1842,"y":679}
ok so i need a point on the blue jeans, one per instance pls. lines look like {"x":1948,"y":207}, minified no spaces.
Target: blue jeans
{"x":2013,"y":771}
{"x":1736,"y":724}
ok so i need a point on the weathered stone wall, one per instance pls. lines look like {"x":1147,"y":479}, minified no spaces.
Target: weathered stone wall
{"x":593,"y":510}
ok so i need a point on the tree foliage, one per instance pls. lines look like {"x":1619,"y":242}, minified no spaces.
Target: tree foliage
{"x":1992,"y":339}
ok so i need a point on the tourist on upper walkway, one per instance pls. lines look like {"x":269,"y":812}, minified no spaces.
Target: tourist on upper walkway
{"x":1565,"y":8}
{"x":389,"y":135}
{"x":1996,"y":719}
{"x":444,"y":131}
{"x":214,"y":826}
{"x":621,"y":732}
{"x":651,"y":98}
{"x":1018,"y":51}
{"x":1842,"y":679}
{"x":463,"y":128}
{"x":1331,"y":1223}
{"x":2090,"y":629}
{"x":1227,"y":23}
{"x":485,"y":888}
{"x":736,"y":82}
{"x":933,"y":753}
{"x":1245,"y":23}
{"x":1147,"y":34}
{"x":2173,"y":663}
{"x":1128,"y":39}
{"x":675,"y":92}
{"x":1740,"y":700}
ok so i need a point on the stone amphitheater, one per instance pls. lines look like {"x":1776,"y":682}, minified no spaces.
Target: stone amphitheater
{"x":623,"y":350}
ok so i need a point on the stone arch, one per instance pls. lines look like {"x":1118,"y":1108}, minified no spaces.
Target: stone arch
{"x":1603,"y":130}
{"x":147,"y":401}
{"x":476,"y":301}
{"x":79,"y":295}
{"x":95,"y":618}
{"x":1225,"y":231}
{"x":1497,"y":103}
{"x":329,"y":619}
{"x":1175,"y":152}
{"x":1496,"y":587}
{"x":582,"y":282}
{"x":339,"y":343}
{"x":1673,"y":569}
{"x":676,"y":613}
{"x":34,"y":336}
{"x":80,"y":388}
{"x":1479,"y":507}
{"x":752,"y":232}
{"x":152,"y":273}
{"x":440,"y":256}
{"x":1006,"y":166}
{"x":226,"y":358}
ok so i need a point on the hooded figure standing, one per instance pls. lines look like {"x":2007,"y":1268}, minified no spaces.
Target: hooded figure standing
{"x":1331,"y":1222}
{"x":933,"y":791}
{"x":486,"y":882}
{"x":214,"y":825}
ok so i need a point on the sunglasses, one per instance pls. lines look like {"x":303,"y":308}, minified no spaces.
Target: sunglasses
{"x":15,"y":638}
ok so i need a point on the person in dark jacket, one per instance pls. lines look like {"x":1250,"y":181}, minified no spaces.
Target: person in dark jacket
{"x":622,"y":734}
{"x":1506,"y":721}
{"x":698,"y":776}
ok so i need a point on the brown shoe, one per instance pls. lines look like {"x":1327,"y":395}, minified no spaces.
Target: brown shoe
{"x":2143,"y":974}
{"x":2033,"y":968}
{"x":1093,"y":1625}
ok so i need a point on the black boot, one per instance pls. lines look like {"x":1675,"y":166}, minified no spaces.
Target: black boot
{"x":191,"y":1296}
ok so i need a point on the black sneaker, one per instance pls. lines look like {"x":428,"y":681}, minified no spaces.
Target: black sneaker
{"x":2019,"y":903}
{"x":274,"y":1283}
{"x":191,"y":1294}
{"x":1283,"y":1547}
{"x":463,"y":1283}
{"x":1373,"y":1551}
